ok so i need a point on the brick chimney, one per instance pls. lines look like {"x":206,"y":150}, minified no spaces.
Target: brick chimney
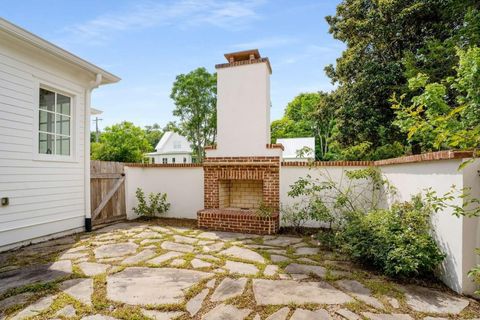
{"x":242,"y":172}
{"x":243,"y":106}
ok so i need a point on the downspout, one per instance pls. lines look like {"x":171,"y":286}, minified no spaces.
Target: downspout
{"x":88,"y":94}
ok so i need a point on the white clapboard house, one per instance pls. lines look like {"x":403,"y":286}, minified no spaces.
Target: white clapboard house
{"x":172,"y":148}
{"x":44,"y":137}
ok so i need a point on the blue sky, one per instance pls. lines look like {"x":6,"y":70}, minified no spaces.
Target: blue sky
{"x":148,"y":43}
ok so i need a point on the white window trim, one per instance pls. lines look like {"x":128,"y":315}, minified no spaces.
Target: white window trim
{"x":74,"y":124}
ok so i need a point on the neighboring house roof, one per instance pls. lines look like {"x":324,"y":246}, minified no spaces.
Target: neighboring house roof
{"x":95,"y":112}
{"x":56,"y":51}
{"x":172,"y":143}
{"x":293,"y":145}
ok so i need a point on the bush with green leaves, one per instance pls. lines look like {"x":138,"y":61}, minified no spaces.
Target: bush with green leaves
{"x":264,"y":211}
{"x":295,"y":215}
{"x":327,"y":199}
{"x":398,"y":240}
{"x":156,"y":204}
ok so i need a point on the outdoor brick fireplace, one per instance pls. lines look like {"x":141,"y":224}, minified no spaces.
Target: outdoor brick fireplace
{"x":241,"y":173}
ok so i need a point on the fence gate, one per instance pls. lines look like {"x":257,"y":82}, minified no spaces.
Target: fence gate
{"x":107,"y":192}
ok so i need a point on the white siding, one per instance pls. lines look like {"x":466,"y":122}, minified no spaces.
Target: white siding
{"x":46,"y":197}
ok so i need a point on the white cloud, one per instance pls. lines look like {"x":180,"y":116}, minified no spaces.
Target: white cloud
{"x":231,"y":14}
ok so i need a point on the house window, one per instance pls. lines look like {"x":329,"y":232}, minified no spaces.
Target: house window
{"x":184,"y":160}
{"x":177,"y":145}
{"x":164,"y":160}
{"x":173,"y":160}
{"x":153,"y":160}
{"x":54,"y":124}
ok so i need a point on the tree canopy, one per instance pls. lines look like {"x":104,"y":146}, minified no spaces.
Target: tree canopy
{"x":195,"y":98}
{"x":122,"y":142}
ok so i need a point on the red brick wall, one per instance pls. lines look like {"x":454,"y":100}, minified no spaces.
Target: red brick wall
{"x":237,"y":221}
{"x":266,"y":169}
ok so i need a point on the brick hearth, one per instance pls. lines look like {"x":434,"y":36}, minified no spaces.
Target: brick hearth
{"x":235,"y":183}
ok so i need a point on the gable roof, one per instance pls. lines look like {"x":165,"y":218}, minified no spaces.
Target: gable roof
{"x":166,"y":144}
{"x":293,"y":145}
{"x":56,"y":51}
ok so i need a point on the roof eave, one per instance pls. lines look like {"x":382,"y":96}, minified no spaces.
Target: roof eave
{"x":56,"y":51}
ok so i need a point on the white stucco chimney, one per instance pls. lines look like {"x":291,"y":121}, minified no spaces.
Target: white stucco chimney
{"x":243,"y":106}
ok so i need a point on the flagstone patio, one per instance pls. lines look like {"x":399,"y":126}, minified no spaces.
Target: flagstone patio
{"x":152,"y":271}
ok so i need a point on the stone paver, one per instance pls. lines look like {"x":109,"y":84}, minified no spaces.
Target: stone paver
{"x":177,"y":262}
{"x":241,"y":268}
{"x":347,"y":314}
{"x":168,"y":245}
{"x":282,"y":241}
{"x":283,"y":292}
{"x":36,"y":308}
{"x":139,"y":257}
{"x":385,"y":316}
{"x":195,"y":304}
{"x":270,"y":270}
{"x":165,"y":257}
{"x":142,"y":286}
{"x":197,"y":263}
{"x":98,"y":317}
{"x":303,"y":251}
{"x":278,"y":258}
{"x":295,"y":268}
{"x":302,"y":314}
{"x":34,"y":274}
{"x":427,"y":300}
{"x":18,"y":299}
{"x":161,"y":315}
{"x":80,"y":289}
{"x":229,"y":288}
{"x":281,"y":314}
{"x":183,"y":239}
{"x":243,"y":253}
{"x":92,"y":269}
{"x":360,"y":292}
{"x":226,"y":312}
{"x":67,"y":311}
{"x":115,"y":250}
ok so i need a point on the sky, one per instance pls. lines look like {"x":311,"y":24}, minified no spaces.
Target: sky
{"x":148,"y":43}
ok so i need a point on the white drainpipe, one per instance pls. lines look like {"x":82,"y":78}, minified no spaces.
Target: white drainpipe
{"x":88,"y":95}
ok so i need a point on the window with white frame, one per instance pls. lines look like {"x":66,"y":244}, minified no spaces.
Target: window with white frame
{"x":54,"y":123}
{"x":164,"y":160}
{"x":177,"y":144}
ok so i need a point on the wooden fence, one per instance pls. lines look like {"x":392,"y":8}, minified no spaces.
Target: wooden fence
{"x":107,"y":192}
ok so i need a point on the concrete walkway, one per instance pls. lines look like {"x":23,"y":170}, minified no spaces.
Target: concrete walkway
{"x":148,"y":271}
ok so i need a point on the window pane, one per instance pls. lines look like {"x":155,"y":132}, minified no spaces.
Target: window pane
{"x":46,"y":121}
{"x":63,"y":125}
{"x":63,"y":104}
{"x":45,"y":143}
{"x":63,"y":146}
{"x":47,"y":100}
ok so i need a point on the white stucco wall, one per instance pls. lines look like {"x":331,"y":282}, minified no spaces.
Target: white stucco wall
{"x":243,"y":111}
{"x":183,"y":185}
{"x":453,"y":234}
{"x":290,"y":174}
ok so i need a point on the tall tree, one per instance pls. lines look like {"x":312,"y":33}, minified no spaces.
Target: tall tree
{"x":379,"y":35}
{"x":153,"y":134}
{"x":195,"y":98}
{"x":308,"y":115}
{"x":122,"y":142}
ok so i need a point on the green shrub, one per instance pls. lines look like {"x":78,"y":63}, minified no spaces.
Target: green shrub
{"x":295,"y":215}
{"x":156,"y":204}
{"x":398,"y":241}
{"x":264,"y":211}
